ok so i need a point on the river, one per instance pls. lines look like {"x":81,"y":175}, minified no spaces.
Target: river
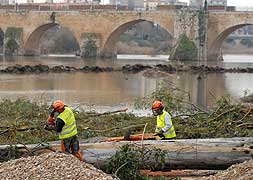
{"x":115,"y":90}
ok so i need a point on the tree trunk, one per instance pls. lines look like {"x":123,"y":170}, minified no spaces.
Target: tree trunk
{"x":218,"y":153}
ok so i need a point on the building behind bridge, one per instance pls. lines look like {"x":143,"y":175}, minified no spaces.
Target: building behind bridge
{"x":212,"y":5}
{"x":166,"y":5}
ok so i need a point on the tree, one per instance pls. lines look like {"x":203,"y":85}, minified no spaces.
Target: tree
{"x":11,"y":46}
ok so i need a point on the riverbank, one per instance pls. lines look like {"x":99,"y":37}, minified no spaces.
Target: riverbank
{"x":22,"y":122}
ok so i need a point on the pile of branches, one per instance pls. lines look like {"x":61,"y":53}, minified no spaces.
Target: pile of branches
{"x":225,"y":119}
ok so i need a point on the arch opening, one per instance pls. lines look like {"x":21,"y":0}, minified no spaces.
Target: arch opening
{"x":238,"y":43}
{"x":138,"y":37}
{"x":225,"y":40}
{"x":51,"y":39}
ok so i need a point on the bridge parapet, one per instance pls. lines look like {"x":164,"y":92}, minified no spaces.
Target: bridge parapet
{"x":61,"y":7}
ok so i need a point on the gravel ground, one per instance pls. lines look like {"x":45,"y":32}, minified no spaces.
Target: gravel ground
{"x":242,"y":171}
{"x":51,"y":166}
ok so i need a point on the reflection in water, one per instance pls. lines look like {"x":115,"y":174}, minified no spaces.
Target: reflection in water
{"x":73,"y":61}
{"x":113,"y":89}
{"x":237,"y":84}
{"x":86,"y":88}
{"x":203,"y":89}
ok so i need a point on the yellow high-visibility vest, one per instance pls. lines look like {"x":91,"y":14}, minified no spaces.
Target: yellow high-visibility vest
{"x":69,"y":129}
{"x":170,"y":133}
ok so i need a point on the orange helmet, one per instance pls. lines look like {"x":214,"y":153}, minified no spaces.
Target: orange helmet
{"x":157,"y":108}
{"x":157,"y":105}
{"x":57,"y":106}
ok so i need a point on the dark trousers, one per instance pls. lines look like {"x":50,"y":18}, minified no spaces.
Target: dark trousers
{"x":71,"y":145}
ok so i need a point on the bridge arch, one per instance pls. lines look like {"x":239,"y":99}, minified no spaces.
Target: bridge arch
{"x":215,"y":50}
{"x":109,"y":48}
{"x":32,"y":43}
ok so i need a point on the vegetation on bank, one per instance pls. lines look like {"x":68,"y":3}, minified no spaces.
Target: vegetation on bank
{"x":22,"y":121}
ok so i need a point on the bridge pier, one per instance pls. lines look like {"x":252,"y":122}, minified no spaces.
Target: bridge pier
{"x":31,"y":52}
{"x":89,"y":45}
{"x":108,"y":55}
{"x":215,"y":57}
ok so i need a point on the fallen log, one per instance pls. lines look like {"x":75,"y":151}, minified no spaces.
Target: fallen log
{"x":179,"y":173}
{"x":210,"y":154}
{"x":136,"y":137}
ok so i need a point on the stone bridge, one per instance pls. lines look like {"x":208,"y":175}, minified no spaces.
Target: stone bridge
{"x":105,"y":27}
{"x":220,"y":25}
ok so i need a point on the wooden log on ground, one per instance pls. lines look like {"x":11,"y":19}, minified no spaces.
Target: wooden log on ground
{"x":136,"y":137}
{"x":211,"y":154}
{"x":179,"y":173}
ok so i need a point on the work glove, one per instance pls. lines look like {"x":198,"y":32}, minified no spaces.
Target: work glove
{"x":50,"y":124}
{"x":160,"y":133}
{"x":49,"y":127}
{"x":50,"y":121}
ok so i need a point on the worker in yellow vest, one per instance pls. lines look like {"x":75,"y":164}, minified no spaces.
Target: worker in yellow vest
{"x":62,"y":120}
{"x":164,"y":127}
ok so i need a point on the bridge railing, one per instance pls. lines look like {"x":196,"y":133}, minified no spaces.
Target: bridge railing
{"x":60,"y":7}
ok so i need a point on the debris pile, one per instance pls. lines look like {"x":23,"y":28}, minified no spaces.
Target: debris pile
{"x":242,"y":171}
{"x":135,"y":68}
{"x":50,"y":166}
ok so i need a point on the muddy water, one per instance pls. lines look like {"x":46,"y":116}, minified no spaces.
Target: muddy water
{"x":115,"y":90}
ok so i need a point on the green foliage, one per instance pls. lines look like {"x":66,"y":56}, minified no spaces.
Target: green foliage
{"x":185,"y":50}
{"x":163,"y":94}
{"x":90,"y":48}
{"x":226,"y":119}
{"x":128,"y":161}
{"x":111,"y":125}
{"x":202,"y":26}
{"x":11,"y":152}
{"x":14,"y":33}
{"x":23,"y":114}
{"x":13,"y":36}
{"x":224,"y":101}
{"x":11,"y":46}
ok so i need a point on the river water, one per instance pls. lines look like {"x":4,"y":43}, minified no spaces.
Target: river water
{"x":115,"y":90}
